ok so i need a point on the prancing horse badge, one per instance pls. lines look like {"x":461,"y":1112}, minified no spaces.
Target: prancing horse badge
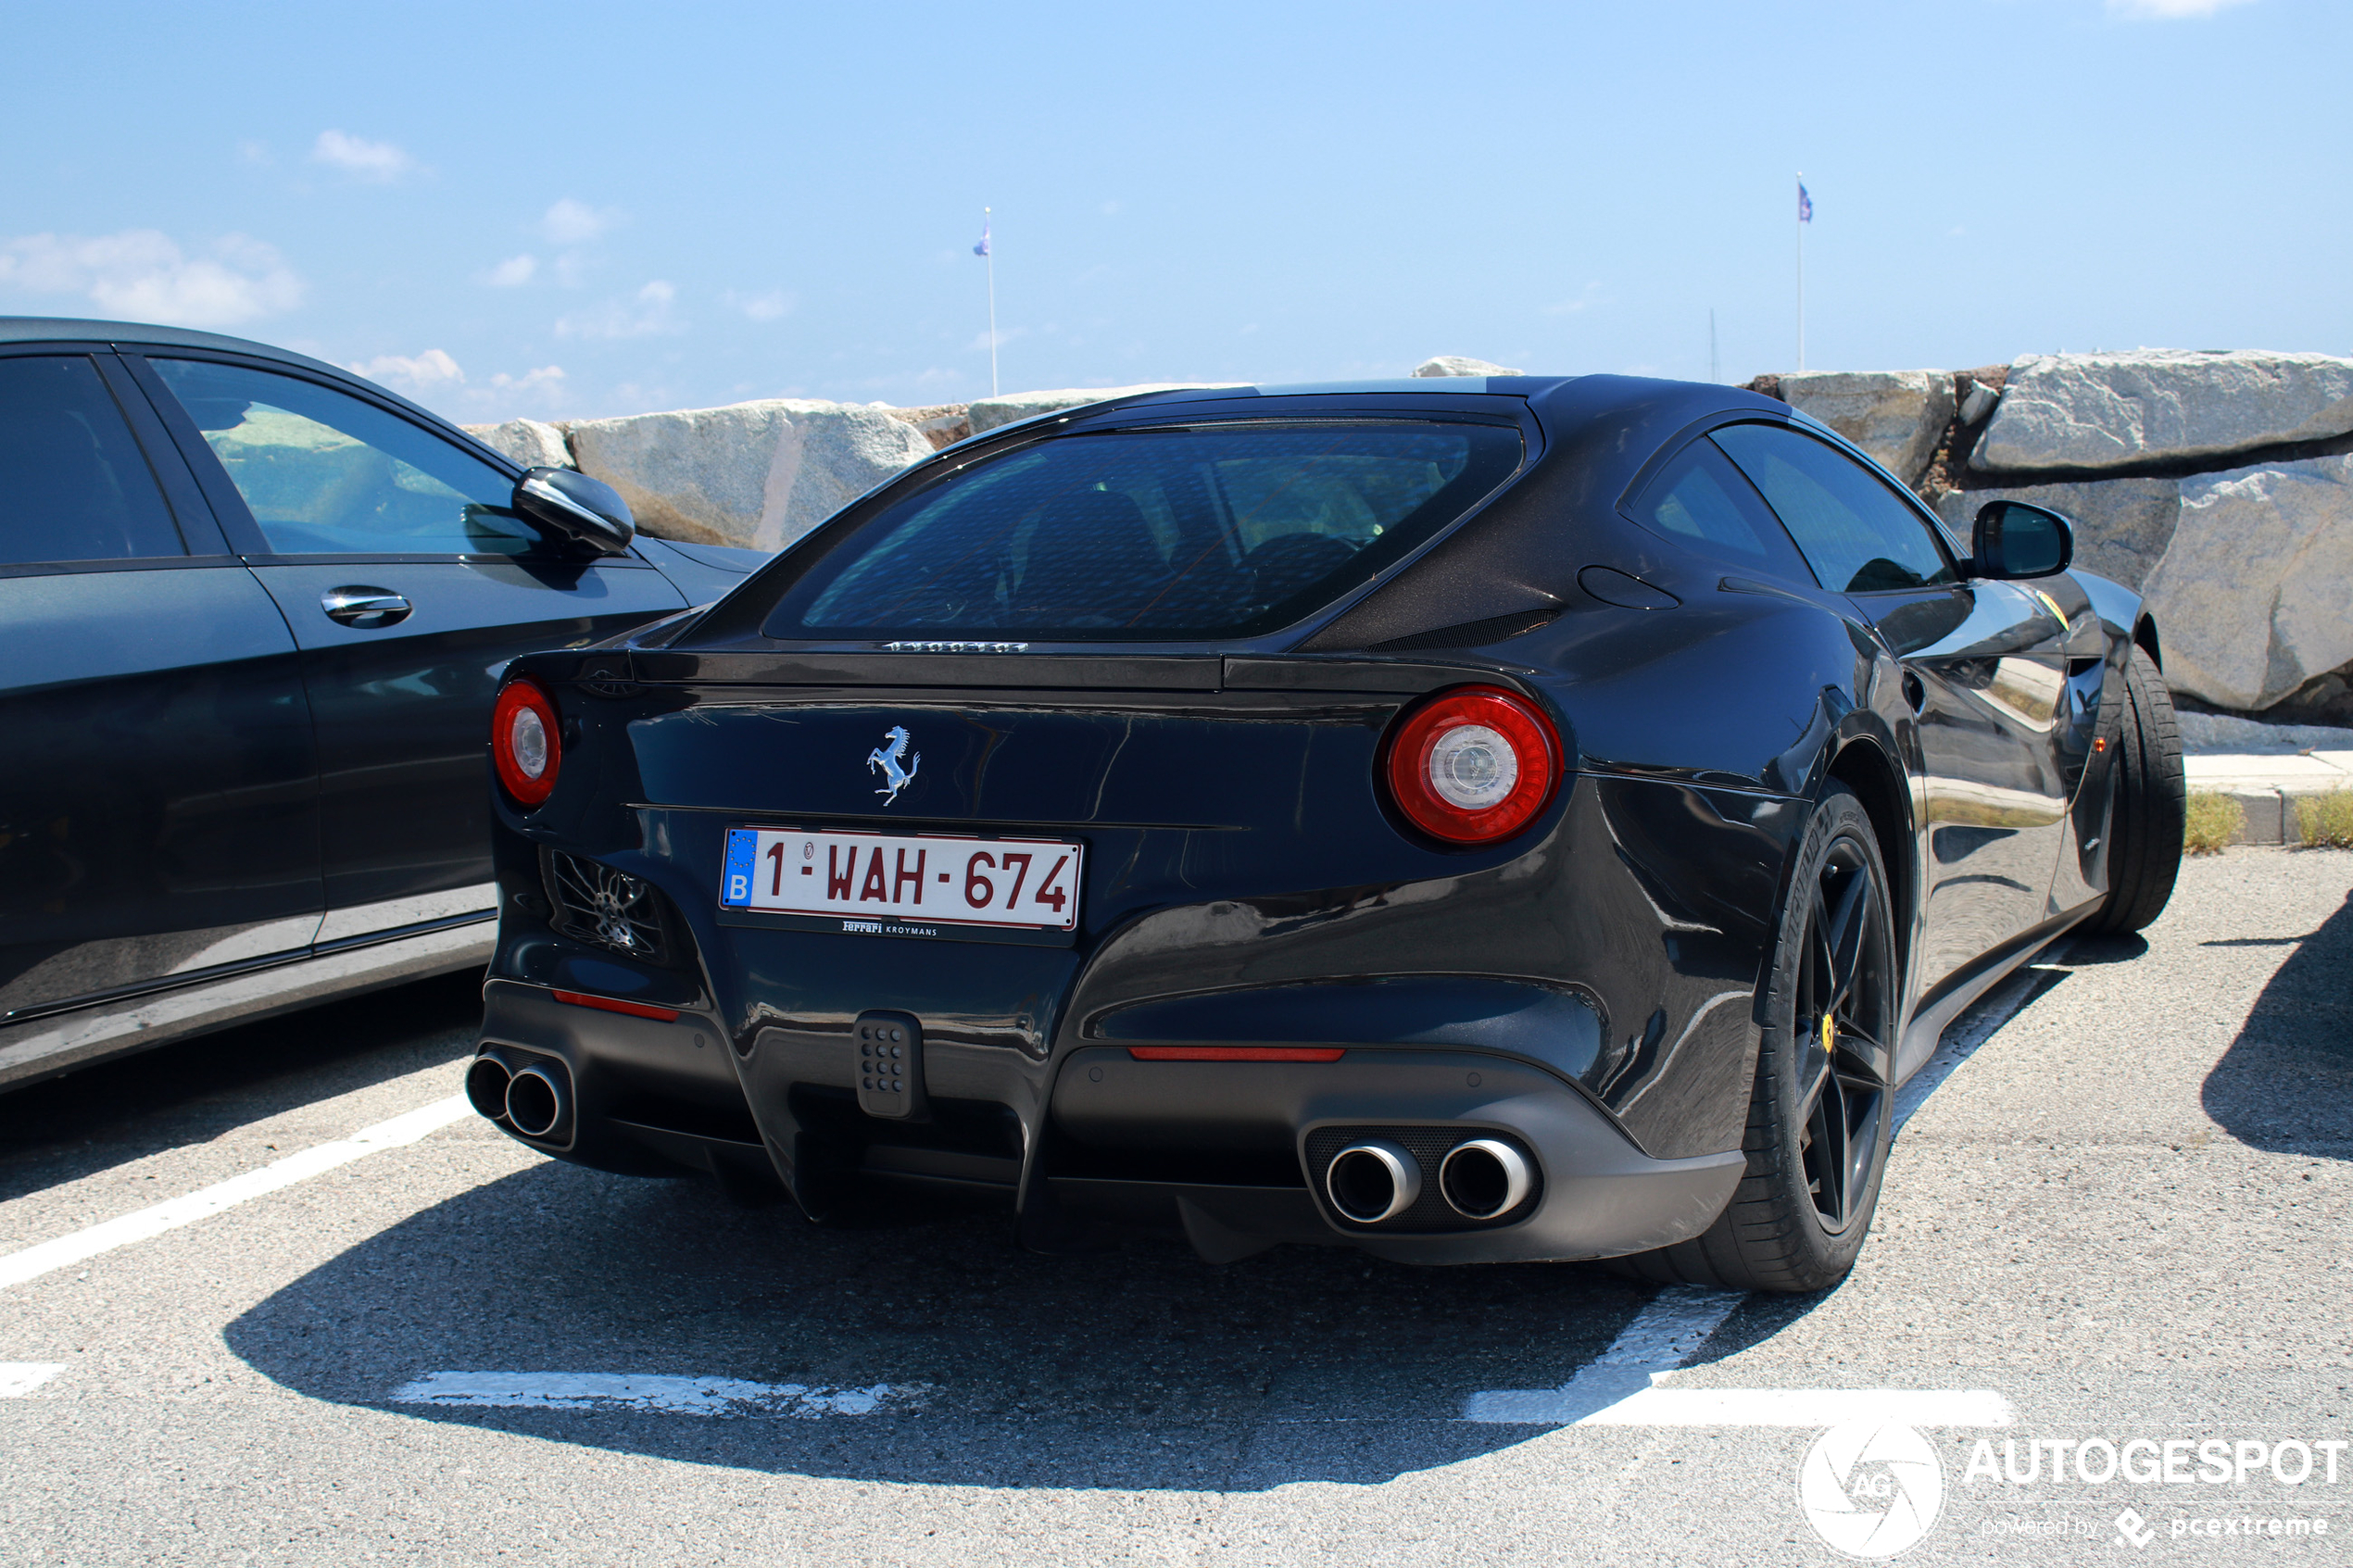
{"x":887,"y":758}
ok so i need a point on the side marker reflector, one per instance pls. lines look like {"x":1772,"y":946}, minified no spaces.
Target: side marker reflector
{"x":614,"y":1004}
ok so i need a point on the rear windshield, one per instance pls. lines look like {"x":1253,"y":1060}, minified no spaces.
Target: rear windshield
{"x":1211,"y":530}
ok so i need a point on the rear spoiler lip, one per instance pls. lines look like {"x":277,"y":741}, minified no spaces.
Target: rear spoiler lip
{"x":1062,"y":672}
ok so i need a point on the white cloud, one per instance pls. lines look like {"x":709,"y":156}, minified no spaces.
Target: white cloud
{"x":513,"y":272}
{"x":2156,"y":10}
{"x":763,"y":307}
{"x":143,"y":275}
{"x":416,"y":374}
{"x":547,"y":377}
{"x":255,"y":153}
{"x":646,"y":316}
{"x":380,"y":162}
{"x":571,"y":223}
{"x":538,"y":392}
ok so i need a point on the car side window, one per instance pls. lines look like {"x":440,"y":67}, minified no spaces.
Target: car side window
{"x":1858,"y":536}
{"x":325,"y":472}
{"x":1699,"y":499}
{"x":74,"y":485}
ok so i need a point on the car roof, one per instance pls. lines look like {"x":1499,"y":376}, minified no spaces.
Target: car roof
{"x":69,"y":329}
{"x":139,"y":335}
{"x":1459,"y":386}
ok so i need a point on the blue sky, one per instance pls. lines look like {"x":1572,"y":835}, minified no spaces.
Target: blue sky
{"x":585,"y":209}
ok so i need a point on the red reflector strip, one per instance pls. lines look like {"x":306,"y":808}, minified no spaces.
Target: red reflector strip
{"x":1237,"y":1053}
{"x":614,"y":1004}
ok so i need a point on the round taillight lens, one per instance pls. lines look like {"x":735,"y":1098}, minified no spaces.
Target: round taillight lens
{"x":1474,"y":764}
{"x":524,"y":747}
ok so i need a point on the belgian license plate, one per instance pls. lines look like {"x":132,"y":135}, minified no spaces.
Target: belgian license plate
{"x":889,"y":883}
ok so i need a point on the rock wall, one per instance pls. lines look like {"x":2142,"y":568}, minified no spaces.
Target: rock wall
{"x":761,"y":474}
{"x":2220,"y":485}
{"x":757,"y":474}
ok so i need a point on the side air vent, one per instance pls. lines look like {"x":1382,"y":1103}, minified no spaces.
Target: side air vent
{"x":596,"y":903}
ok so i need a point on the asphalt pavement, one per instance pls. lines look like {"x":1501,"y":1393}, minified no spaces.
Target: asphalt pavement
{"x":270,"y":1297}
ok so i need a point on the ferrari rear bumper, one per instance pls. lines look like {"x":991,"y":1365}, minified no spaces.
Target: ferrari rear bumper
{"x":1236,"y":1154}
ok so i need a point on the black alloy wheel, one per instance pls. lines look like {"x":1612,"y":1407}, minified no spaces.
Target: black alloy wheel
{"x":1821,"y":1113}
{"x":1845,"y":1075}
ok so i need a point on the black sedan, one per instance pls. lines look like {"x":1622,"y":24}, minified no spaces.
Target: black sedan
{"x":1518,"y":818}
{"x":253,"y":616}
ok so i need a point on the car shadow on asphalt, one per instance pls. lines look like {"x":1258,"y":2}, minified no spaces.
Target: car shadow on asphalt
{"x":1140,"y":1367}
{"x":2286,"y":1082}
{"x":194,"y":1090}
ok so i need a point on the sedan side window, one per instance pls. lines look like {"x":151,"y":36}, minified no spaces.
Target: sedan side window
{"x":73,"y":483}
{"x":326,"y":473}
{"x":1699,"y":499}
{"x":1860,"y":536}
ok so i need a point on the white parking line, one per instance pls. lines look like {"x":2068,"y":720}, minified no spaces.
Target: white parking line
{"x":1661,"y":1338}
{"x":153,"y":1221}
{"x":19,"y":1378}
{"x":1622,"y":1386}
{"x":627,"y":1392}
{"x":1803,"y":1407}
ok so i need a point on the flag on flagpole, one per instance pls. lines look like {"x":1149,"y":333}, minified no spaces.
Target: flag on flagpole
{"x":1804,"y":207}
{"x":982,"y":248}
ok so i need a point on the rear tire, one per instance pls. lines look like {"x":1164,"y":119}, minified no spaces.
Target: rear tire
{"x":1819,"y":1117}
{"x":2150,"y":802}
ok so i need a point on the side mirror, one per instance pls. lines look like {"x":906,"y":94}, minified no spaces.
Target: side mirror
{"x":2015,"y":540}
{"x":572,"y":506}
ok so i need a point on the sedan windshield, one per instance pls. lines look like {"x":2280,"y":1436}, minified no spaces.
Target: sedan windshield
{"x":1204,"y":531}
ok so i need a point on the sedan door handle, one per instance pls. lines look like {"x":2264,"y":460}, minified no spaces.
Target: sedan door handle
{"x":364,"y":608}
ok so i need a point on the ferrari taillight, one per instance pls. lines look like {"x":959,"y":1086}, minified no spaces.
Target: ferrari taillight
{"x":524,"y":747}
{"x":1473,"y":764}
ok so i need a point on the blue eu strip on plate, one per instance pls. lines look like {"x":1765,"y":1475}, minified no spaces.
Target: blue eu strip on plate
{"x":743,"y":858}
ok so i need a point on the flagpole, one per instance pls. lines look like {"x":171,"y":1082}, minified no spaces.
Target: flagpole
{"x":1801,"y":274}
{"x":992,"y":306}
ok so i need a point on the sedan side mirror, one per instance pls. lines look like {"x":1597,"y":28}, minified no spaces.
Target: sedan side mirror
{"x":2015,"y":540}
{"x":572,"y":506}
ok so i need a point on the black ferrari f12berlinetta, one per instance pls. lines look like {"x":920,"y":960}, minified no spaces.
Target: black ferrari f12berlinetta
{"x":1516,"y":818}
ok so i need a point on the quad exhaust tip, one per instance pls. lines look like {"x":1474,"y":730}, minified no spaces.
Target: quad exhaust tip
{"x":487,"y":1082}
{"x":1483,"y":1178}
{"x":534,"y":1101}
{"x":1372,"y":1180}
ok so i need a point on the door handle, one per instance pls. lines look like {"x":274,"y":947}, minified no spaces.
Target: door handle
{"x":364,"y":608}
{"x":1915,"y":692}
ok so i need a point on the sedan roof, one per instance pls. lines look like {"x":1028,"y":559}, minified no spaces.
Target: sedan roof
{"x":69,"y":329}
{"x":66,"y":329}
